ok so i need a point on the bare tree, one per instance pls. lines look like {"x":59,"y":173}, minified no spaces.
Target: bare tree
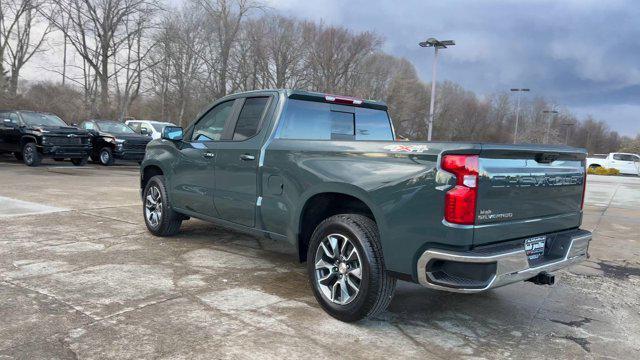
{"x":11,"y":13}
{"x":25,"y":42}
{"x":97,"y":31}
{"x":225,"y":19}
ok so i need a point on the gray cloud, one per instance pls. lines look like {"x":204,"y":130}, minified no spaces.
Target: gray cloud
{"x":582,"y":54}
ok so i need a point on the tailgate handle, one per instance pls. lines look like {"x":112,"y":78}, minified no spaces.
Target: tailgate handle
{"x":546,"y":157}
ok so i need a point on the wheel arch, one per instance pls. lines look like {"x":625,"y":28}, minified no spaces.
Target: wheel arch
{"x":149,"y":171}
{"x":27,"y":139}
{"x":323,"y":203}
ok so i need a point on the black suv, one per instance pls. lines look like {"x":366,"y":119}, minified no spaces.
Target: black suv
{"x":31,"y":135}
{"x":114,"y":140}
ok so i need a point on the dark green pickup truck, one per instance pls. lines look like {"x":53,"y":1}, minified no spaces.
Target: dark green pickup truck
{"x":324,"y":173}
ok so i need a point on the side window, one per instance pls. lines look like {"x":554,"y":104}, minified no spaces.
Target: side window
{"x":305,"y":120}
{"x":628,"y":158}
{"x":211,"y":125}
{"x":88,"y":126}
{"x":619,"y":157}
{"x":373,"y":124}
{"x":13,"y":117}
{"x":248,"y":122}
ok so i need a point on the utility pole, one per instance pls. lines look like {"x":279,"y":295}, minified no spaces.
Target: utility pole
{"x":436,"y":44}
{"x":566,"y":138}
{"x":547,"y":112}
{"x":519,"y":91}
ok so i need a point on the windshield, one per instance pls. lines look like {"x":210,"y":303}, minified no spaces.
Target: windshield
{"x":37,"y":119}
{"x":114,"y":127}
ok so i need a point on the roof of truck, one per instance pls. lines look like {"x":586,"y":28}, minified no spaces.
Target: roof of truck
{"x":323,"y":97}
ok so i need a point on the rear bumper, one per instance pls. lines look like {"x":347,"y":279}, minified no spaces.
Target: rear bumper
{"x":502,"y":266}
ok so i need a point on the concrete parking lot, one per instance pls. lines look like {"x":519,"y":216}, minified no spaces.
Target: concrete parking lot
{"x":80,"y":277}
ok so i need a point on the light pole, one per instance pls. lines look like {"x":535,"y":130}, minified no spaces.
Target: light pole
{"x":546,"y":136}
{"x":566,"y":138}
{"x":436,"y":44}
{"x":519,"y":91}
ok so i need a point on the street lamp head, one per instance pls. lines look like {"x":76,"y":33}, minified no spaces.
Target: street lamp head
{"x":433,"y":42}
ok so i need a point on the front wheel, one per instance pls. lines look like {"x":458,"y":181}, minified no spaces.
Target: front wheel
{"x":160,"y":219}
{"x":346,"y":268}
{"x":106,"y":156}
{"x":30,"y":154}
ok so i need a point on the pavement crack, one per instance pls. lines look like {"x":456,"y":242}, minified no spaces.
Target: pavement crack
{"x":51,"y":296}
{"x":574,"y":323}
{"x":139,"y":307}
{"x":583,"y":342}
{"x":108,"y":218}
{"x":414,"y":340}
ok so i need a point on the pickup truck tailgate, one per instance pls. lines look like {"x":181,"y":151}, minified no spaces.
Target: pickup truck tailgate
{"x":527,"y":190}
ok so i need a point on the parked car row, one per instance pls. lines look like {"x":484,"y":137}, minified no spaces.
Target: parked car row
{"x":32,"y":136}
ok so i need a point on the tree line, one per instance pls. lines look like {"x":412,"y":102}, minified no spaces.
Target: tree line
{"x":122,"y":59}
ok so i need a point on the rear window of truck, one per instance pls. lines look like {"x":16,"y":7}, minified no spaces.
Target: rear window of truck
{"x":309,"y":120}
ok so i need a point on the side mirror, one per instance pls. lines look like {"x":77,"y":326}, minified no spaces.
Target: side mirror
{"x":173,"y":133}
{"x":74,"y":124}
{"x":144,"y":131}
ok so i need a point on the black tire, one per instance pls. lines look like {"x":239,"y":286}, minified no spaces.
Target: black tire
{"x":376,"y":286}
{"x":169,"y":221}
{"x":30,"y":154}
{"x":18,"y":156}
{"x":79,"y":161}
{"x":58,"y":159}
{"x":105,"y":157}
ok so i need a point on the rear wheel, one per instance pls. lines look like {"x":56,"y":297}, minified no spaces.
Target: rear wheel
{"x":346,"y":268}
{"x":106,"y":156}
{"x":30,"y":154}
{"x":159,"y":217}
{"x":79,"y":161}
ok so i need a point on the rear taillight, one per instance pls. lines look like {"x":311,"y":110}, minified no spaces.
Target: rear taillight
{"x":584,"y":190}
{"x":460,"y":201}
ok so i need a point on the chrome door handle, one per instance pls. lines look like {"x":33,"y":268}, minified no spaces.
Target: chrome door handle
{"x":209,"y":155}
{"x":247,"y":157}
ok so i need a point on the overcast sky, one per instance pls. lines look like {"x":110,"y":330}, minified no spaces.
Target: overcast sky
{"x":582,"y":54}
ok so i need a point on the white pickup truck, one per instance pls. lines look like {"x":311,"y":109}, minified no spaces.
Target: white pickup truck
{"x":626,"y":163}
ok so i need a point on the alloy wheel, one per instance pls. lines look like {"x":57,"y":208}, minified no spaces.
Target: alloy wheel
{"x":28,"y":154}
{"x":104,"y":157}
{"x":153,"y":206}
{"x":338,"y":269}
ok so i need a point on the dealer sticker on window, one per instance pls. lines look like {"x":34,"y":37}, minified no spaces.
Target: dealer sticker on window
{"x":534,"y":247}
